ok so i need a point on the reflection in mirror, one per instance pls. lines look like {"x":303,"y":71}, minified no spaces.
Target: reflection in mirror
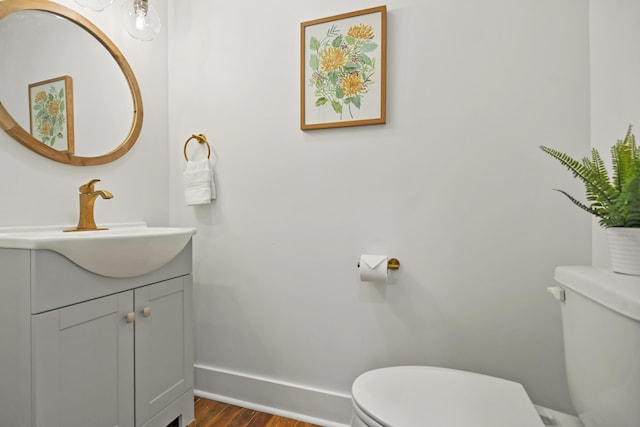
{"x":38,"y":44}
{"x":47,"y":44}
{"x":51,"y":113}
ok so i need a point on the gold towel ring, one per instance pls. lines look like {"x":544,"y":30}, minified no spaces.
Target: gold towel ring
{"x":202,"y":140}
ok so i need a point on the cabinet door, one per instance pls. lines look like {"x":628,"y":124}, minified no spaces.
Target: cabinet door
{"x":83,"y":364}
{"x":163,"y":343}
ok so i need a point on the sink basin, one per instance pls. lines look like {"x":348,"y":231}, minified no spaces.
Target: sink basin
{"x":124,"y":250}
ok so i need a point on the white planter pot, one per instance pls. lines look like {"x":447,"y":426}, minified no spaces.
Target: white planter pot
{"x":624,"y":248}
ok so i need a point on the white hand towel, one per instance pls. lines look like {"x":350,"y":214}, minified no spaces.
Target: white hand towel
{"x":199,"y":187}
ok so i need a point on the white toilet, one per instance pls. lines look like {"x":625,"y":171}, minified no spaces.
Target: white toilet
{"x":601,"y":326}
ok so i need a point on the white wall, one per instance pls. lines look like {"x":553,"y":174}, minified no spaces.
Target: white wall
{"x":454,"y":185}
{"x":39,"y":191}
{"x":615,"y":86}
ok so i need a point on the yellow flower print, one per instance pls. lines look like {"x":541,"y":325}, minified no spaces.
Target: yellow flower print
{"x":48,"y":114}
{"x":352,"y":84}
{"x":343,"y":65}
{"x":40,"y":96}
{"x":53,"y":108}
{"x":332,"y":59}
{"x":45,"y":128}
{"x":361,"y":31}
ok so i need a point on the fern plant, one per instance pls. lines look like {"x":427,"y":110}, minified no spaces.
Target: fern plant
{"x":614,"y":200}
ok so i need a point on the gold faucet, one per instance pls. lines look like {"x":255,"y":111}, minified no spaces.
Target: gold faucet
{"x":88,"y":197}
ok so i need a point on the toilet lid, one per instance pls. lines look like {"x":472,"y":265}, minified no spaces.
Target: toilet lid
{"x":408,"y":396}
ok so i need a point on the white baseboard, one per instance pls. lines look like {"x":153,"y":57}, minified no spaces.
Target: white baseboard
{"x":321,"y":407}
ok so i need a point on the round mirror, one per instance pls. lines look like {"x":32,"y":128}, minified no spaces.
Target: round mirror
{"x":66,"y":91}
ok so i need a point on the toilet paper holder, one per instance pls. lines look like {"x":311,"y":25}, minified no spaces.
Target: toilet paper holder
{"x":392,"y":264}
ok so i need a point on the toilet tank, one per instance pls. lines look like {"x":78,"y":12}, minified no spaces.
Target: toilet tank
{"x":601,"y":327}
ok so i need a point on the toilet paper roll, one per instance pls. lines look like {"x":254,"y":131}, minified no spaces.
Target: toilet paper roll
{"x":373,"y":268}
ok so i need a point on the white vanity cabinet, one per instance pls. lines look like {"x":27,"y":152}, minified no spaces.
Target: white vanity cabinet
{"x":163,"y":362}
{"x":76,"y":348}
{"x":80,"y":349}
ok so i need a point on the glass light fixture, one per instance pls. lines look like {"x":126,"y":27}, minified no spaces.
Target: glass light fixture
{"x":95,"y":5}
{"x":141,"y":20}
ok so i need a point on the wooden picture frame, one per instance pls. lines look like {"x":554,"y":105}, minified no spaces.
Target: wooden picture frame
{"x":51,"y":113}
{"x":343,"y":70}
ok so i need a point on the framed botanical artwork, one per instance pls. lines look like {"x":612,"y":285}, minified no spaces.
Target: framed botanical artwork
{"x":51,"y":113}
{"x":343,"y":70}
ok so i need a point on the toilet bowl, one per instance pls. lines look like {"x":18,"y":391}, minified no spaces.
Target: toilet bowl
{"x":601,"y":331}
{"x":417,"y":396}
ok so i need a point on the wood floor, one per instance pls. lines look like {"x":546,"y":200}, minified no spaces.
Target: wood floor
{"x":210,"y":413}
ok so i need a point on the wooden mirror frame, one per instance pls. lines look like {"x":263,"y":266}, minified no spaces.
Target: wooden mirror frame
{"x":9,"y":125}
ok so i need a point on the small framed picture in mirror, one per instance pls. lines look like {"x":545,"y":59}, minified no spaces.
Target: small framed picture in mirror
{"x":51,"y":113}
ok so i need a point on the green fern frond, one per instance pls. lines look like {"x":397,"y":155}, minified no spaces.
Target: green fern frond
{"x":598,"y":171}
{"x":578,"y":203}
{"x":625,"y":160}
{"x":597,"y":185}
{"x":599,"y":166}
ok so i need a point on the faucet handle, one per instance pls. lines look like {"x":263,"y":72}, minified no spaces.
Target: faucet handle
{"x":88,"y":187}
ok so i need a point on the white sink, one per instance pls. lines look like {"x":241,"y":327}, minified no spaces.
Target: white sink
{"x":124,"y":250}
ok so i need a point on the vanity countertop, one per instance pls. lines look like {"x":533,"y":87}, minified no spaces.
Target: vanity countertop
{"x":122,"y":250}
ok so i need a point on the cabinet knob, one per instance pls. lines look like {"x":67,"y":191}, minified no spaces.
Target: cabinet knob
{"x":146,"y":312}
{"x":131,"y":317}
